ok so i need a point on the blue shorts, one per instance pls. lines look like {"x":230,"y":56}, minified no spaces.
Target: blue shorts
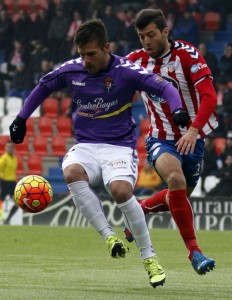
{"x":191,"y":163}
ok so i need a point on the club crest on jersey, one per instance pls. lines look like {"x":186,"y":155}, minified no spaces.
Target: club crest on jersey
{"x":108,"y":83}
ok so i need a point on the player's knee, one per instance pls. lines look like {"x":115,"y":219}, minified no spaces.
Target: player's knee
{"x":121,"y":191}
{"x":176,"y":180}
{"x":74,"y":172}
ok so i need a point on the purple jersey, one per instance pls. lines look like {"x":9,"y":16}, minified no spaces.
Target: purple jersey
{"x":102,"y":102}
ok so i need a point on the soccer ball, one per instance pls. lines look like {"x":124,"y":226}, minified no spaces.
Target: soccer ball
{"x":33,"y":193}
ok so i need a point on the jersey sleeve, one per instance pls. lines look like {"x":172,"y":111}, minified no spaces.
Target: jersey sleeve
{"x":194,"y":64}
{"x":152,"y":84}
{"x":53,"y":81}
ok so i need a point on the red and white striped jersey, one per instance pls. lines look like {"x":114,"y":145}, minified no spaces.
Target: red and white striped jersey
{"x":184,"y":67}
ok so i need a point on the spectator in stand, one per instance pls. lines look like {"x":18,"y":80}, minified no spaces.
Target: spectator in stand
{"x":226,"y":62}
{"x":57,"y":31}
{"x":38,"y":54}
{"x":6,"y":27}
{"x":186,"y":28}
{"x":228,"y":147}
{"x":223,"y":187}
{"x":22,"y":82}
{"x":23,"y":29}
{"x":8,"y":168}
{"x":74,"y":25}
{"x":210,"y":59}
{"x":224,"y":105}
{"x":131,"y":41}
{"x":20,"y":54}
{"x":113,"y":25}
{"x":46,"y":66}
{"x":41,"y":26}
{"x":209,"y":163}
{"x":148,"y":181}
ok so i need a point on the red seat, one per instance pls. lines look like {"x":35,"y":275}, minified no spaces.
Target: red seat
{"x":212,"y":20}
{"x":23,"y":149}
{"x":20,"y":167}
{"x":64,"y":126}
{"x":65,"y":105}
{"x":219,"y":144}
{"x":25,"y":5}
{"x":3,"y":140}
{"x":144,"y":126}
{"x":31,"y":127}
{"x":58,"y":146}
{"x":141,"y":144}
{"x":50,"y":107}
{"x":45,"y":126}
{"x":35,"y":164}
{"x":40,"y":145}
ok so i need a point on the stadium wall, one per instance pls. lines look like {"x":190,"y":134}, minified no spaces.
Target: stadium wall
{"x":210,"y":214}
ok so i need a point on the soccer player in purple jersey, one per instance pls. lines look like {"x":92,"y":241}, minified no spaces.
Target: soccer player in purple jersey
{"x":102,"y":87}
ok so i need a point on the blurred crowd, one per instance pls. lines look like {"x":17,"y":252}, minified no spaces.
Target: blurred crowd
{"x":37,"y":36}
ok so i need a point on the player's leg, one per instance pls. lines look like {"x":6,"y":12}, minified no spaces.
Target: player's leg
{"x":119,"y":176}
{"x":79,"y":169}
{"x":170,"y":169}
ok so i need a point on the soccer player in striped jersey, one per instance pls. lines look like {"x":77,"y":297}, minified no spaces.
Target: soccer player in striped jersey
{"x":176,"y":152}
{"x":102,"y":87}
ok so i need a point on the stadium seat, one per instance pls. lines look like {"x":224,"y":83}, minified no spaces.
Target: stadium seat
{"x":212,"y":20}
{"x":58,"y":146}
{"x":5,"y":123}
{"x":50,"y":107}
{"x":40,"y":145}
{"x":144,"y":126}
{"x":34,"y":164}
{"x":65,"y":105}
{"x":141,"y":144}
{"x":45,"y":126}
{"x":64,"y":126}
{"x":3,"y":140}
{"x":20,"y":167}
{"x":13,"y":106}
{"x":2,"y":107}
{"x":219,"y":144}
{"x":31,"y":127}
{"x":23,"y":149}
{"x":182,"y":5}
{"x":142,"y":158}
{"x":36,"y":113}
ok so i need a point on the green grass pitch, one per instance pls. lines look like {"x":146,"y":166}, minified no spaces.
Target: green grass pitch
{"x":38,"y":262}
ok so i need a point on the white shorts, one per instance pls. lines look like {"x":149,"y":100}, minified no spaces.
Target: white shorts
{"x":104,"y":162}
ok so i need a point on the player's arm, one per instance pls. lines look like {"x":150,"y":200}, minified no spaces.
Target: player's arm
{"x":208,"y":102}
{"x":154,"y":84}
{"x":18,"y":127}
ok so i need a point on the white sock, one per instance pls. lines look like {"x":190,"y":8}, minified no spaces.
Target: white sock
{"x":90,"y":206}
{"x":135,"y":220}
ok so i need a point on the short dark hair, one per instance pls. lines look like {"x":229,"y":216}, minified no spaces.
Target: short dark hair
{"x":149,"y":15}
{"x":92,"y":30}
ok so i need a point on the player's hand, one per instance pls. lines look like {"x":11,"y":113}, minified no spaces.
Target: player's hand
{"x":186,"y":144}
{"x":18,"y":130}
{"x":180,"y":117}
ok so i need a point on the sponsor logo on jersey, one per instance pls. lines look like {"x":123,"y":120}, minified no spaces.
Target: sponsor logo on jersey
{"x":78,"y":83}
{"x":119,"y":164}
{"x":197,"y":67}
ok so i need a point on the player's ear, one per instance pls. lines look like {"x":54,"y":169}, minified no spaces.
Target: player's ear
{"x":107,"y":47}
{"x":166,"y":31}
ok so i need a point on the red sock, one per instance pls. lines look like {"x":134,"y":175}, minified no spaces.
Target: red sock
{"x":181,"y":211}
{"x":155,"y":203}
